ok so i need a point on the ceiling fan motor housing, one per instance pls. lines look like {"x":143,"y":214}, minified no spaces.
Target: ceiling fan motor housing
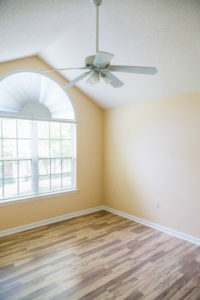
{"x":96,"y":2}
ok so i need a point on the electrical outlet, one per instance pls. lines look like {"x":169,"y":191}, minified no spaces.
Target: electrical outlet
{"x":156,"y":204}
{"x":112,"y":191}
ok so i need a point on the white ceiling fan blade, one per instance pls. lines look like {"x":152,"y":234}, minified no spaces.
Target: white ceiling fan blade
{"x":114,"y":81}
{"x":77,"y":79}
{"x":64,"y":69}
{"x":102,"y":59}
{"x":133,"y":69}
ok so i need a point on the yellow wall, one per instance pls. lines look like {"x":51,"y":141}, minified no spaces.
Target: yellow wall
{"x":140,"y":154}
{"x":152,"y":153}
{"x":89,"y":160}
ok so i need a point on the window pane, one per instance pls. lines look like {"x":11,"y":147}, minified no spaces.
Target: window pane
{"x":55,"y":166}
{"x":9,"y":148}
{"x":25,"y":186}
{"x":10,"y":169}
{"x":24,"y":148}
{"x":56,"y":182}
{"x":1,"y":181}
{"x":66,"y":180}
{"x":44,"y":184}
{"x":55,"y":148}
{"x":66,"y":131}
{"x":0,"y":128}
{"x":66,"y":148}
{"x":1,"y":170}
{"x":9,"y":128}
{"x":43,"y":130}
{"x":54,"y":130}
{"x":66,"y":165}
{"x":24,"y":168}
{"x":24,"y":129}
{"x":1,"y":189}
{"x":43,"y":148}
{"x":0,"y":147}
{"x":44,"y":166}
{"x":10,"y":188}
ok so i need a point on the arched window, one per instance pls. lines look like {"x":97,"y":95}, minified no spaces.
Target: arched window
{"x":37,"y":137}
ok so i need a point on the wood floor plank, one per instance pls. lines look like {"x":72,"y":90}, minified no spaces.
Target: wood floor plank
{"x":98,"y":256}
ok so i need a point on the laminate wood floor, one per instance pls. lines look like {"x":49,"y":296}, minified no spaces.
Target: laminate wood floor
{"x":98,"y":256}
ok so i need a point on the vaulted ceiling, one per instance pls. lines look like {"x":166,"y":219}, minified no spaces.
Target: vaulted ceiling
{"x":160,"y":33}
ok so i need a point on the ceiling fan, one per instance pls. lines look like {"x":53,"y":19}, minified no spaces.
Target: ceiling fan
{"x":98,"y":66}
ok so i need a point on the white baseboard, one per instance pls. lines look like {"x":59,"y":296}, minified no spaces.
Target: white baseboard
{"x":50,"y":221}
{"x":170,"y":231}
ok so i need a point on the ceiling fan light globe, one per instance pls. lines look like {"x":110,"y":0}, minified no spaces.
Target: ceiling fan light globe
{"x":93,"y":79}
{"x":106,"y":79}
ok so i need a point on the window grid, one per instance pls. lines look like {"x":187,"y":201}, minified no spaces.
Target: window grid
{"x":59,"y":157}
{"x":2,"y":162}
{"x":17,"y":149}
{"x":65,"y":179}
{"x":60,"y":162}
{"x":49,"y":155}
{"x":16,"y":177}
{"x":35,"y":157}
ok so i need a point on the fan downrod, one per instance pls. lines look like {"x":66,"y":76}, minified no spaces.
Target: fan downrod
{"x":96,"y":2}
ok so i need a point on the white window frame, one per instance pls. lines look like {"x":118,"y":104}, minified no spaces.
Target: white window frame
{"x":35,"y":162}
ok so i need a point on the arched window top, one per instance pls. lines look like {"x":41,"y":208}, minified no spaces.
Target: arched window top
{"x":33,"y":95}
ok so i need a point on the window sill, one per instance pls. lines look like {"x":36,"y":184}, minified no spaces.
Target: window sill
{"x":38,"y":197}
